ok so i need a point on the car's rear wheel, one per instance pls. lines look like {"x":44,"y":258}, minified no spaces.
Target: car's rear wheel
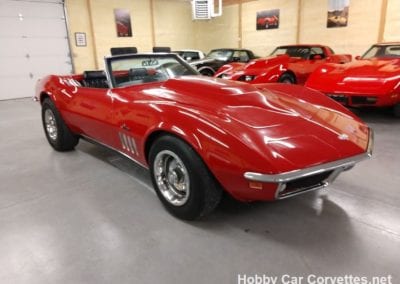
{"x":57,"y":132}
{"x":182,"y":181}
{"x":286,"y":78}
{"x":396,"y":110}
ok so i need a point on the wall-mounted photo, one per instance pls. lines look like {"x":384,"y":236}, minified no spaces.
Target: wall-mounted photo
{"x":268,"y":19}
{"x":123,"y":22}
{"x":338,"y":13}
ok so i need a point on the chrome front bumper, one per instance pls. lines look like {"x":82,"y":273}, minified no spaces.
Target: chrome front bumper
{"x":332,"y":170}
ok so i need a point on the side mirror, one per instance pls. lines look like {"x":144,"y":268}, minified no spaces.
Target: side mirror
{"x":188,"y":58}
{"x":358,"y":57}
{"x":317,"y":57}
{"x":235,"y":59}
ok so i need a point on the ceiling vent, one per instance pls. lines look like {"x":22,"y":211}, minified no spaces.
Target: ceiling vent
{"x":204,"y":9}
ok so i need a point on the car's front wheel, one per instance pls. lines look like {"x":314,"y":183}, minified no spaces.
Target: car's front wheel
{"x":57,"y":132}
{"x":182,"y":181}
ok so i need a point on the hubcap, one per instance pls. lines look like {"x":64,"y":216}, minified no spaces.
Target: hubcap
{"x":50,"y":123}
{"x":172,"y":177}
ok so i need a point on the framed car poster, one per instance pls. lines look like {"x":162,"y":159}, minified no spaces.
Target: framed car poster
{"x":338,"y":13}
{"x":123,"y":22}
{"x":268,"y":19}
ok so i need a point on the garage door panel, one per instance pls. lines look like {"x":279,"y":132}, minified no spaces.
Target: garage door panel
{"x":44,"y":28}
{"x":27,"y":9}
{"x":53,"y":66}
{"x":11,"y":27}
{"x":12,"y":66}
{"x":48,"y":46}
{"x":25,"y":88}
{"x":34,"y":44}
{"x":12,"y":47}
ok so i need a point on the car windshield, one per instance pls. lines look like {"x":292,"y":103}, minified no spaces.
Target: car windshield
{"x":220,"y":54}
{"x":138,"y":69}
{"x":382,"y":51}
{"x":292,"y":51}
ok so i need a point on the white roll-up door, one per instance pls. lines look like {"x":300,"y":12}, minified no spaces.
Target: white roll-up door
{"x":33,"y":43}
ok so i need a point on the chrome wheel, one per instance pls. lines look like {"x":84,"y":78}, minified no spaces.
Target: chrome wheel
{"x":51,"y":124}
{"x":171,"y":177}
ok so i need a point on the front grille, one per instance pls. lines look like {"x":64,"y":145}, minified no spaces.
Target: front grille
{"x":304,"y":184}
{"x":363,"y":100}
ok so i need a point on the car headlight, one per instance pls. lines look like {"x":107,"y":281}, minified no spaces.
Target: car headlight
{"x":247,"y":78}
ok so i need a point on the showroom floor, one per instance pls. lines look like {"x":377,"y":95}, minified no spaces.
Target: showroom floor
{"x":90,"y":216}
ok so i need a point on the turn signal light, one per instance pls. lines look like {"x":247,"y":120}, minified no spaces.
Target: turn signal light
{"x":255,"y":185}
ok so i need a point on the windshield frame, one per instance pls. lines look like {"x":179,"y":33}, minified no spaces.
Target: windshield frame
{"x":286,"y":47}
{"x":110,"y":59}
{"x":378,"y":47}
{"x":230,"y":51}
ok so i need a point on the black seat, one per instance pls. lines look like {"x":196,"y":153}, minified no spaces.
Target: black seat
{"x":161,"y":49}
{"x":123,"y":50}
{"x":136,"y":74}
{"x":94,"y":79}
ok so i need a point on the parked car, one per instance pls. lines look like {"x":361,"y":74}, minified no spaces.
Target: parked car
{"x":199,"y":136}
{"x":290,"y":64}
{"x":373,"y":80}
{"x":190,"y":54}
{"x":218,"y":57}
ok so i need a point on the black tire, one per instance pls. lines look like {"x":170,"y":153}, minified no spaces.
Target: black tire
{"x":180,"y":161}
{"x":286,"y":78}
{"x":396,"y":110}
{"x":55,"y":129}
{"x":207,"y":72}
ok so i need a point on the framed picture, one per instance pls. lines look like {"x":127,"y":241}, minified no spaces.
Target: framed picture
{"x":80,"y":39}
{"x":338,"y":13}
{"x":123,"y":22}
{"x":268,"y":19}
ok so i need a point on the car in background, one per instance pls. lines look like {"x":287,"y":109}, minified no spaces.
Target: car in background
{"x":373,"y":80}
{"x":200,"y":136}
{"x":190,"y":54}
{"x":290,"y":64}
{"x":219,"y":57}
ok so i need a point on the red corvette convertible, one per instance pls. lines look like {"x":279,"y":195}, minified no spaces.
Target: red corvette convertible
{"x":287,"y":64}
{"x":199,"y":135}
{"x":371,"y":81}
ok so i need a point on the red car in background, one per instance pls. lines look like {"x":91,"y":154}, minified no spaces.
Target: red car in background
{"x":371,"y":81}
{"x":287,"y":64}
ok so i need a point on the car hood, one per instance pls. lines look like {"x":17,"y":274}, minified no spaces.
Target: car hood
{"x":371,"y":76}
{"x":270,"y":61}
{"x":289,"y":131}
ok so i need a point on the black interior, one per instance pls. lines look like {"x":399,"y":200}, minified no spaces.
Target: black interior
{"x":94,"y":79}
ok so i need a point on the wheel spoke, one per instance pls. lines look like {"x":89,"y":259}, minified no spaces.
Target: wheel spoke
{"x":172,"y":177}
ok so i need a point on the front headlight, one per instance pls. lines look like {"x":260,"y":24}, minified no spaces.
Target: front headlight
{"x":247,"y":78}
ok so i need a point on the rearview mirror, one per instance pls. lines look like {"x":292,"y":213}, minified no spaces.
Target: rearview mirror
{"x":358,"y":57}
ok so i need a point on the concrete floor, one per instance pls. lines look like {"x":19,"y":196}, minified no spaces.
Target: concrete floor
{"x":90,"y":216}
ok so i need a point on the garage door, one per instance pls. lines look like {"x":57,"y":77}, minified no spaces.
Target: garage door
{"x":33,"y":43}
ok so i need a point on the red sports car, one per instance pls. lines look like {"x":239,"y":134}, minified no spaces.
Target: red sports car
{"x":199,"y":136}
{"x":371,"y":81}
{"x":287,"y":64}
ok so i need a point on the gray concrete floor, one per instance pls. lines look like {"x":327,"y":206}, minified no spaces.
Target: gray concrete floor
{"x":90,"y":216}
